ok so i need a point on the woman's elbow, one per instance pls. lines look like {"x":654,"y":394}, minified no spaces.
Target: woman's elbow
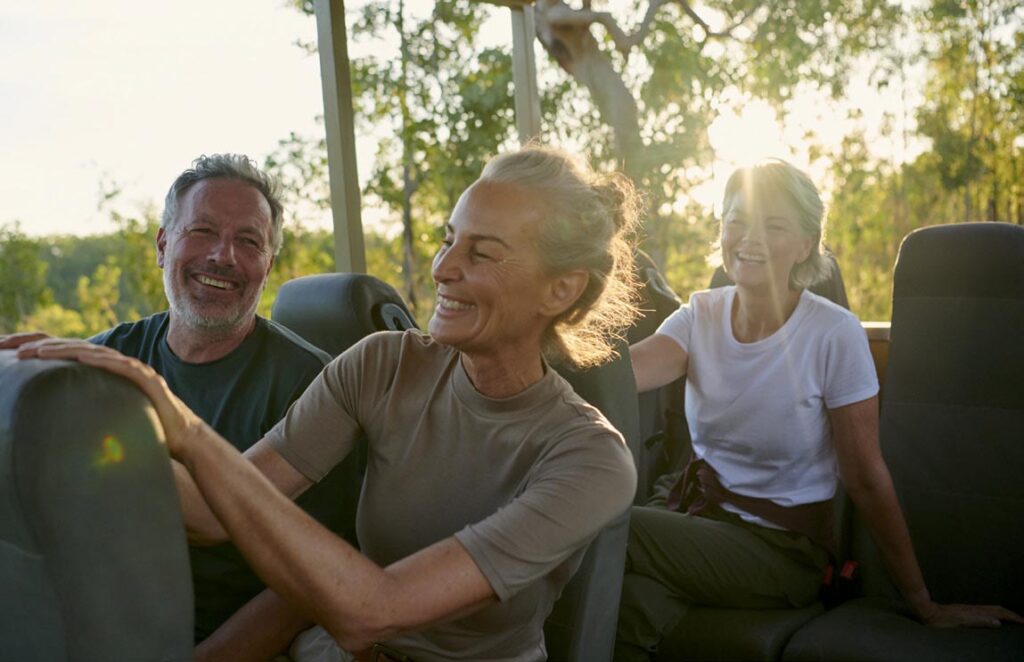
{"x":866,"y":482}
{"x":374,"y":619}
{"x":360,"y":632}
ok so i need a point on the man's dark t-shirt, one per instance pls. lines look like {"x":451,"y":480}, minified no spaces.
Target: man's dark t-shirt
{"x":241,"y":396}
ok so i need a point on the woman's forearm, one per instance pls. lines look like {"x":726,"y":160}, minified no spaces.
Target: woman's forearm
{"x":314,"y":570}
{"x":877,"y":502}
{"x":868,"y":482}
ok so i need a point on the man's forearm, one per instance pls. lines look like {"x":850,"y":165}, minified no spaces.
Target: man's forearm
{"x":201,"y":525}
{"x":261,"y":629}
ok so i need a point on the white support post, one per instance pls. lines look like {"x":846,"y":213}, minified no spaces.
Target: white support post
{"x":524,"y":73}
{"x":349,"y":251}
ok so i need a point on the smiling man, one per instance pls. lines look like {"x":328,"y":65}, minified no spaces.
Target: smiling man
{"x":220,"y":231}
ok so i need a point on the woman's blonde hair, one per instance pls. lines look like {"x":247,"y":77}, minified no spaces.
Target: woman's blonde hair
{"x":589,"y":223}
{"x":771,"y":176}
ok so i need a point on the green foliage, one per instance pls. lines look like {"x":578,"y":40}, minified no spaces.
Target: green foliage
{"x":56,"y":320}
{"x":23,"y":285}
{"x":98,"y":297}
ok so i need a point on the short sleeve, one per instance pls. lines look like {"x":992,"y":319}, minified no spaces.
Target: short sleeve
{"x":322,"y":425}
{"x":849,"y":369}
{"x":679,"y":325}
{"x":575,"y":492}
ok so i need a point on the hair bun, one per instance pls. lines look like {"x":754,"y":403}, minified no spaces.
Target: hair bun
{"x":621,"y":199}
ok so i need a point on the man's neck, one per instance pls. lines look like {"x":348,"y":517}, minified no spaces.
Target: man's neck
{"x":201,"y":345}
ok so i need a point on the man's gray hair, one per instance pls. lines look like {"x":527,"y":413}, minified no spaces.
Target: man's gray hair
{"x":227,"y":166}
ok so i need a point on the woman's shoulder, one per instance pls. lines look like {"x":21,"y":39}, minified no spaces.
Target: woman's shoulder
{"x":827,"y":313}
{"x":705,"y":302}
{"x":383,"y":349}
{"x":398,"y":342}
{"x":582,"y":421}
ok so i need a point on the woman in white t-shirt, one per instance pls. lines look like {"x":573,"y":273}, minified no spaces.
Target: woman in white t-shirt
{"x":782,"y":403}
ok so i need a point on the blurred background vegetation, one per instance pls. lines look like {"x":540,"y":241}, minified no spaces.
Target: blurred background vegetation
{"x":441,"y":101}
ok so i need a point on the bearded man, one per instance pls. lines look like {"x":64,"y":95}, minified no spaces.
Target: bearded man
{"x":220,"y":230}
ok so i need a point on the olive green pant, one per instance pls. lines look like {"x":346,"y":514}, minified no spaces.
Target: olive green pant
{"x":675,"y":561}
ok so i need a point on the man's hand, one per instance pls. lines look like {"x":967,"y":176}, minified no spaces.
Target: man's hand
{"x":16,"y":340}
{"x":181,"y":426}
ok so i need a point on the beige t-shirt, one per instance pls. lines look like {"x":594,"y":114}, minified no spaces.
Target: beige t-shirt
{"x":524,"y":483}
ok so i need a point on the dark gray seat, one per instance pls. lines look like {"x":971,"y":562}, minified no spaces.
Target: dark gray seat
{"x":93,"y":557}
{"x":334,"y":311}
{"x":951,"y":433}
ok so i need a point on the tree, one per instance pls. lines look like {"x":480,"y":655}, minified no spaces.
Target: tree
{"x":657,"y":87}
{"x":23,"y":286}
{"x":974,"y":105}
{"x":441,"y":107}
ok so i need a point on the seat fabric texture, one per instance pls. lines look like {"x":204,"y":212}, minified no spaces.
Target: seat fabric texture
{"x":707,"y":633}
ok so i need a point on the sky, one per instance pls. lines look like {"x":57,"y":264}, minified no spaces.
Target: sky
{"x":131,"y":92}
{"x":108,"y":92}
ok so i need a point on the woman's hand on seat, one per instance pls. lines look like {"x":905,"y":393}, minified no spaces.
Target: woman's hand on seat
{"x":957,"y":615}
{"x":179,"y":423}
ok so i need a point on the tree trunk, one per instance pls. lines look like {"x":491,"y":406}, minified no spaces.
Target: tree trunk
{"x":565,"y":35}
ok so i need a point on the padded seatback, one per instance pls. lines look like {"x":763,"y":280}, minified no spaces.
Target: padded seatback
{"x":581,"y":627}
{"x":93,"y":557}
{"x":952,"y":427}
{"x":334,"y":311}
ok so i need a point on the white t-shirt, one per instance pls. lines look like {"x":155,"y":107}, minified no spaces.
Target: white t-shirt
{"x":757,"y":411}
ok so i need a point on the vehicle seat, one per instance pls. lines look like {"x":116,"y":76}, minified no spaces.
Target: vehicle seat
{"x":334,"y":311}
{"x":662,"y":420}
{"x":581,"y":627}
{"x":93,"y":557}
{"x":952,"y":415}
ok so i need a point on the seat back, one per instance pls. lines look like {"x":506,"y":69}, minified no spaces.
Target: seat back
{"x":953,"y":412}
{"x":334,"y":311}
{"x":93,"y":557}
{"x":581,"y":627}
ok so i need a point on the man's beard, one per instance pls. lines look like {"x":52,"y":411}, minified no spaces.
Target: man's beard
{"x":184,"y":309}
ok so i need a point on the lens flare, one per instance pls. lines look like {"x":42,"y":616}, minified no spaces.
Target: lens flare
{"x":111,"y":451}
